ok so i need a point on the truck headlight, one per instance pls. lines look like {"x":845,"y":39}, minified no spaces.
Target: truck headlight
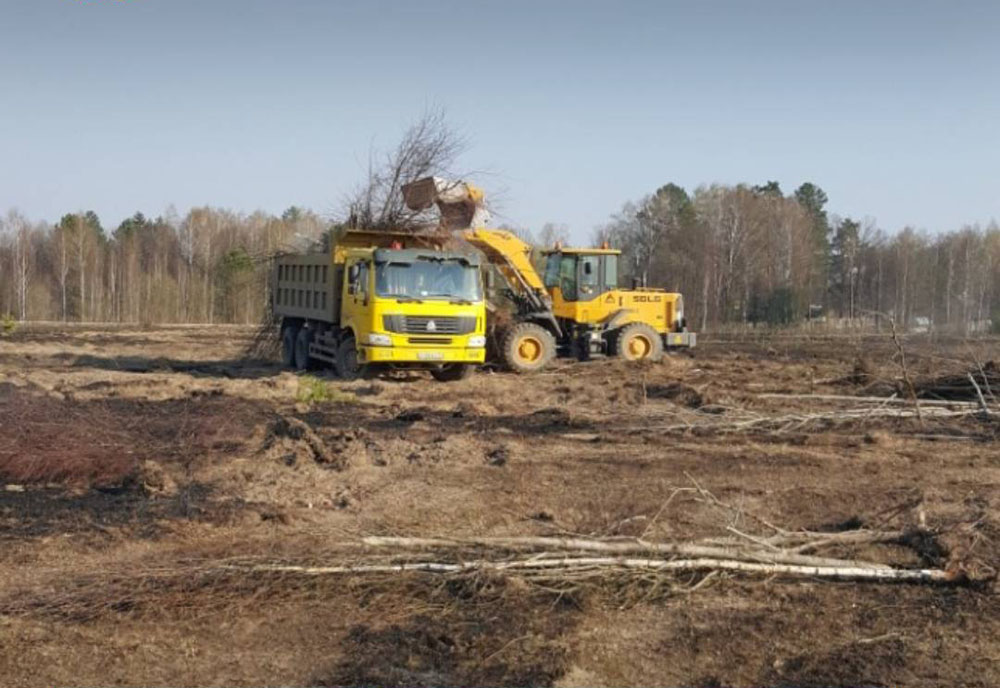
{"x":376,"y":339}
{"x":477,"y":341}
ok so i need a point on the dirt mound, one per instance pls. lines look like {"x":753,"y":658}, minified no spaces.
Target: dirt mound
{"x":346,"y":445}
{"x":677,"y":392}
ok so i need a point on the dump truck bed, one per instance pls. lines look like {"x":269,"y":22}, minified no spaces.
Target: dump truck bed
{"x":307,"y":285}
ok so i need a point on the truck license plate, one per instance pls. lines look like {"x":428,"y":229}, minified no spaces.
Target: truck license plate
{"x":430,"y":355}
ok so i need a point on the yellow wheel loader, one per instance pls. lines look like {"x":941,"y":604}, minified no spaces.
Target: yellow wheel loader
{"x":576,"y":308}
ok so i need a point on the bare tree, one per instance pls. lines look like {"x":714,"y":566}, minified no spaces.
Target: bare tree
{"x":21,"y":230}
{"x":428,"y":148}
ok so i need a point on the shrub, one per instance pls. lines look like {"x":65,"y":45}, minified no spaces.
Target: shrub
{"x":313,"y":390}
{"x":7,"y":325}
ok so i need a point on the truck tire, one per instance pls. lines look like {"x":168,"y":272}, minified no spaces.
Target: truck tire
{"x":527,"y":347}
{"x":347,"y":361}
{"x":302,"y":341}
{"x":452,"y":372}
{"x":289,"y":335}
{"x":638,"y":342}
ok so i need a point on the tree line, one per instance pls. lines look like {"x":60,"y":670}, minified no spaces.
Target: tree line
{"x":754,"y":255}
{"x":211,"y":266}
{"x":740,"y":255}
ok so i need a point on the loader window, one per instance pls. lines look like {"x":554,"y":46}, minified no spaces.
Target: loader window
{"x":590,"y":276}
{"x":560,"y":271}
{"x":551,"y":276}
{"x":610,"y":272}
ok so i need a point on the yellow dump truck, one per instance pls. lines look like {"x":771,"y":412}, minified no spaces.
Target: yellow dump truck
{"x":378,"y":299}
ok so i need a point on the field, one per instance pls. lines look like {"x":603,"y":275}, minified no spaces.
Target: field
{"x":162,"y":492}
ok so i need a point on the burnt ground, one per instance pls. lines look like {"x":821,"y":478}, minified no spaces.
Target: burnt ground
{"x":125,"y":450}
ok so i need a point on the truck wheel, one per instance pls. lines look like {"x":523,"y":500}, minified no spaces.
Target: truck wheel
{"x":527,"y":347}
{"x":302,"y":341}
{"x":452,"y":372}
{"x":638,"y":342}
{"x":289,"y":335}
{"x":347,"y":361}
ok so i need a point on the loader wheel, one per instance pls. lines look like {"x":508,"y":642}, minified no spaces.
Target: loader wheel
{"x":289,"y":335}
{"x":452,"y":372}
{"x":638,"y":342}
{"x":527,"y":347}
{"x":302,"y":341}
{"x":347,"y":361}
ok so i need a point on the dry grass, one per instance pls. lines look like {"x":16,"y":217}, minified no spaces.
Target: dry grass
{"x":101,"y":443}
{"x":126,"y":587}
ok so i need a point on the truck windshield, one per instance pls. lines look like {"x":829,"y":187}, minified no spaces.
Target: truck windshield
{"x":428,"y":279}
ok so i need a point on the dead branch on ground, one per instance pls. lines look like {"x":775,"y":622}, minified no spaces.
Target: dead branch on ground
{"x":799,"y":421}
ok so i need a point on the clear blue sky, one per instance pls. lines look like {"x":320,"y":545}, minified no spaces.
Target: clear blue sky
{"x":574,"y":107}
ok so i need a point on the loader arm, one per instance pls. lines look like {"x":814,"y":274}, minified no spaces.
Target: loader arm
{"x":461,"y":207}
{"x":512,"y":257}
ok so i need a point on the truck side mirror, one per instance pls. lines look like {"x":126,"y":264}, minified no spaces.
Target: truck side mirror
{"x":353,"y":273}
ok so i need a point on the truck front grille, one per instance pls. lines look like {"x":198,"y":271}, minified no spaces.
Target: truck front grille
{"x":429,"y":324}
{"x":440,"y":341}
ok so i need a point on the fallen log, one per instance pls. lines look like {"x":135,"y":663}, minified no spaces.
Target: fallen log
{"x":557,"y":567}
{"x":732,"y":550}
{"x":799,"y":420}
{"x":867,"y":400}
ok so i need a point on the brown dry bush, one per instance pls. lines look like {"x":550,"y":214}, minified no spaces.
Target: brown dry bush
{"x":101,"y":443}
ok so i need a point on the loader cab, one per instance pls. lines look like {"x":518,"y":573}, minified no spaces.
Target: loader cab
{"x":581,"y":274}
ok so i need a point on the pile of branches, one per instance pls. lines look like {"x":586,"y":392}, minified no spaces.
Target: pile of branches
{"x":205,"y":581}
{"x":981,"y":382}
{"x":548,"y":559}
{"x":863,"y":409}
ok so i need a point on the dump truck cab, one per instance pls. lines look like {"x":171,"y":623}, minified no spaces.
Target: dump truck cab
{"x":379,"y":299}
{"x":414,"y":306}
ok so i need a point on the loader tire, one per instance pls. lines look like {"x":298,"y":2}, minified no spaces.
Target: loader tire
{"x":302,"y":341}
{"x":452,"y":372}
{"x":289,"y":335}
{"x":638,"y":342}
{"x":527,"y":347}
